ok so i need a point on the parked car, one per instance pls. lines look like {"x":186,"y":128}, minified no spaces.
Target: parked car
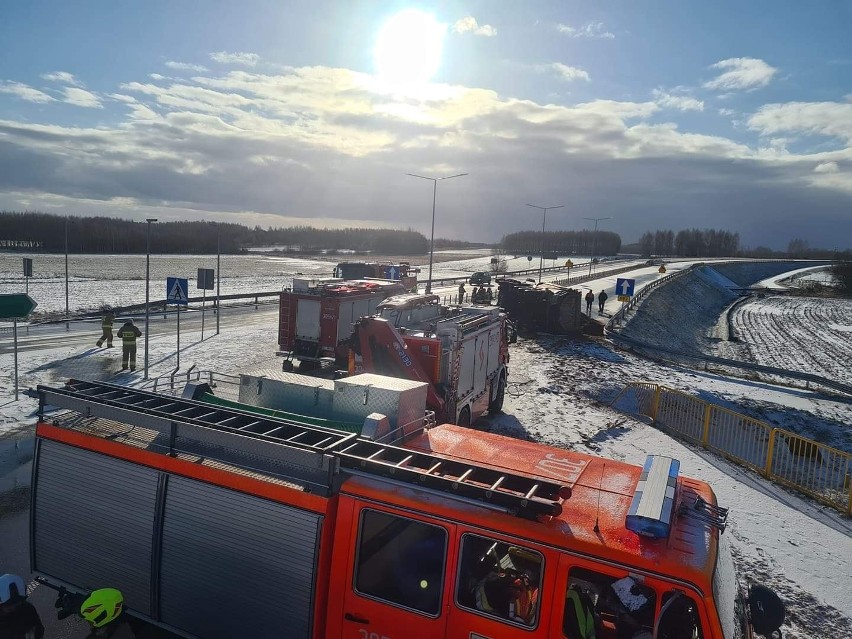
{"x":481,"y":277}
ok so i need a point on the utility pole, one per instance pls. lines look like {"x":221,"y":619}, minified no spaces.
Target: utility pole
{"x":594,"y":238}
{"x":543,"y":209}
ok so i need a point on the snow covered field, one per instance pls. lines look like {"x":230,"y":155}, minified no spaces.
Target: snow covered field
{"x":560,"y":391}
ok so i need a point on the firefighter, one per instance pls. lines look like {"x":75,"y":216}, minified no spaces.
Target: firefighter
{"x":103,"y":610}
{"x":461,"y":293}
{"x":590,"y":297}
{"x":128,"y":334}
{"x":489,"y":296}
{"x":601,"y":301}
{"x":106,"y":327}
{"x":18,"y":617}
{"x":580,"y":620}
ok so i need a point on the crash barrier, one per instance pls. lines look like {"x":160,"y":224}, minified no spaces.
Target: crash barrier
{"x":823,"y":472}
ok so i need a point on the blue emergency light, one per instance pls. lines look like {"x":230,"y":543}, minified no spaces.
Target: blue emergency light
{"x":651,"y":511}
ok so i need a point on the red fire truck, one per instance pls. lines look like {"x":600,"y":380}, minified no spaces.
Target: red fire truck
{"x":220,"y":522}
{"x":461,"y":352}
{"x":316,"y":317}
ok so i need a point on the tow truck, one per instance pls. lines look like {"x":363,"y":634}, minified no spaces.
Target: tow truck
{"x":461,"y":352}
{"x":219,"y":521}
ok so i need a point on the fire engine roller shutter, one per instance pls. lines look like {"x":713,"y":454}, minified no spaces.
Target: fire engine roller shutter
{"x":93,"y":521}
{"x":234,"y":565}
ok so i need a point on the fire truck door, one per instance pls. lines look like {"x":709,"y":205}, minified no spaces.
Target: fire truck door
{"x":401,"y":576}
{"x":308,"y":320}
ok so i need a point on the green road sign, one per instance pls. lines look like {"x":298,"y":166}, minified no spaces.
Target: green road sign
{"x":15,"y":306}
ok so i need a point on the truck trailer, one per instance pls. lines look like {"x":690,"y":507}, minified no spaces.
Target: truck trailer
{"x":220,"y":522}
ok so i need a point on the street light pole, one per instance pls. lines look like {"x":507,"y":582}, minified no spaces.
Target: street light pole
{"x":544,"y":210}
{"x":147,"y":287}
{"x":594,"y":237}
{"x":432,"y":240}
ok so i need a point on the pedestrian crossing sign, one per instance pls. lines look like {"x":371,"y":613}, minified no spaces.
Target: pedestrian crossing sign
{"x":176,"y":289}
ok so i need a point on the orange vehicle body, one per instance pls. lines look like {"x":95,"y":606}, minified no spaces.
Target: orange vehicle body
{"x":588,"y":536}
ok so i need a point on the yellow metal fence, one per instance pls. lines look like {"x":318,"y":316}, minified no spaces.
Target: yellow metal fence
{"x":820,"y":471}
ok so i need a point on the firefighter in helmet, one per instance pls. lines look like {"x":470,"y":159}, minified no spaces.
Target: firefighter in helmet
{"x":18,"y":617}
{"x":128,"y":334}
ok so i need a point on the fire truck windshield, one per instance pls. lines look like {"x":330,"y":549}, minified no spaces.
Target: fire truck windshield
{"x":727,"y":593}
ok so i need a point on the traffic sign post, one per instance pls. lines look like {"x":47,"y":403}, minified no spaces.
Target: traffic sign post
{"x":624,"y":287}
{"x":16,"y":306}
{"x":205,"y":283}
{"x":176,"y":289}
{"x":28,"y":272}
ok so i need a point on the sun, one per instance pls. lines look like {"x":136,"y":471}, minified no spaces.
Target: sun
{"x":408,"y":47}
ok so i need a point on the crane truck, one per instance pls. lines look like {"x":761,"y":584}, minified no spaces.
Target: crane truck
{"x":461,"y":352}
{"x":220,"y":522}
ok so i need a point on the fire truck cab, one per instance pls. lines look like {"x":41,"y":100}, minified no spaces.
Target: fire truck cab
{"x":222,"y":522}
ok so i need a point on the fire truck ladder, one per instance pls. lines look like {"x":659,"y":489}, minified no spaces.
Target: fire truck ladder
{"x":317,"y":452}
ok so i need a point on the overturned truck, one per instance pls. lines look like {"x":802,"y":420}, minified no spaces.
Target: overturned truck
{"x":542,"y":307}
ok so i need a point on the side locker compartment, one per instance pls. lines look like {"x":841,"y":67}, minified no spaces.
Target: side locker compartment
{"x":92,"y":521}
{"x":260,"y":555}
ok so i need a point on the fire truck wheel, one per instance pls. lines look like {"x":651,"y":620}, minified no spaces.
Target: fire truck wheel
{"x":496,"y":404}
{"x":287,"y":366}
{"x":464,"y":417}
{"x":306,"y":366}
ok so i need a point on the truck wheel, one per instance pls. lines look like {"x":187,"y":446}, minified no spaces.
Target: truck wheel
{"x":496,"y":404}
{"x":287,"y":366}
{"x":306,"y":366}
{"x":464,"y":417}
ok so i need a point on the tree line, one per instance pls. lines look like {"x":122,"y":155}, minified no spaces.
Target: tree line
{"x":562,"y":243}
{"x":690,"y":243}
{"x":47,"y":233}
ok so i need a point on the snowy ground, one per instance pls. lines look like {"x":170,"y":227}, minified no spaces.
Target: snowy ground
{"x":560,"y":391}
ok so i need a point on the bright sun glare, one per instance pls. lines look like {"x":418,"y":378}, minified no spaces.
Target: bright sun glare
{"x":408,"y":47}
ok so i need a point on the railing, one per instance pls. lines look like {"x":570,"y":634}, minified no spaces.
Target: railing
{"x":823,"y":472}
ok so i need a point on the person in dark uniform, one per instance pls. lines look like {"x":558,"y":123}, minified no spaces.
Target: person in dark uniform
{"x":106,"y":327}
{"x":461,"y":293}
{"x":18,"y":617}
{"x":602,"y":296}
{"x":590,"y":297}
{"x":128,"y":334}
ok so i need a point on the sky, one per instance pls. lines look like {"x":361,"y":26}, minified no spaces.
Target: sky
{"x":655,"y":115}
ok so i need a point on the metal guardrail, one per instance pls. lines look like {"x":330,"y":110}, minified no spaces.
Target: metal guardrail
{"x":823,"y":472}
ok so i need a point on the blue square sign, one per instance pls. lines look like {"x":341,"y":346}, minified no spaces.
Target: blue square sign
{"x":176,"y":290}
{"x":624,"y":286}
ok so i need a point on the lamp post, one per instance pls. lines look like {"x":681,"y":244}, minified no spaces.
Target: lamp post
{"x":147,"y":287}
{"x":594,"y":237}
{"x":432,"y":240}
{"x":544,"y":210}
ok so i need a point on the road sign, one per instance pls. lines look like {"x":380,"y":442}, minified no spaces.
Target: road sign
{"x":623,"y":298}
{"x":176,"y":289}
{"x":662,"y":269}
{"x":623,"y":286}
{"x":391,"y":272}
{"x":205,"y":279}
{"x":15,"y":306}
{"x":529,"y":258}
{"x":28,"y":267}
{"x":569,"y":264}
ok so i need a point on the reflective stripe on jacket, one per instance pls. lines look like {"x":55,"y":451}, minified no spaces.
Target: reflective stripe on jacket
{"x":585,"y":618}
{"x":107,"y":321}
{"x":128,"y":334}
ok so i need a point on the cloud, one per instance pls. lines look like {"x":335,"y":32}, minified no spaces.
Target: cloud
{"x":594,"y":30}
{"x":678,"y":102}
{"x":61,"y":76}
{"x":831,"y":119}
{"x":565,"y":72}
{"x":186,"y":66}
{"x":240,"y":58}
{"x":25,"y":92}
{"x":82,"y":98}
{"x":827,"y":167}
{"x":468,"y":24}
{"x":310,"y":143}
{"x":741,"y":73}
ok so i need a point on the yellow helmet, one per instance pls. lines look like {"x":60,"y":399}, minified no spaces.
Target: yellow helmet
{"x":102,"y":607}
